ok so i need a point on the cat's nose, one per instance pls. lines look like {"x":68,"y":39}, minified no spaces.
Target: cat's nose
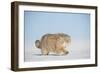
{"x":66,"y":52}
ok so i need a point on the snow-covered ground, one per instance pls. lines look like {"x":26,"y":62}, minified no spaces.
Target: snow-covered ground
{"x":77,"y":50}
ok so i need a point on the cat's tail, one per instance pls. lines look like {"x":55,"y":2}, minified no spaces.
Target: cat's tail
{"x":37,"y":43}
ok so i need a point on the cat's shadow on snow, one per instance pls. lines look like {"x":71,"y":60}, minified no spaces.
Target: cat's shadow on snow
{"x":49,"y":55}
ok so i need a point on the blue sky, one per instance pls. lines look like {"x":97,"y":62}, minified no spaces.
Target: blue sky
{"x":77,"y":25}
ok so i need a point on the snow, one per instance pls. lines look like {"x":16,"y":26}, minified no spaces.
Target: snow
{"x":79,"y":50}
